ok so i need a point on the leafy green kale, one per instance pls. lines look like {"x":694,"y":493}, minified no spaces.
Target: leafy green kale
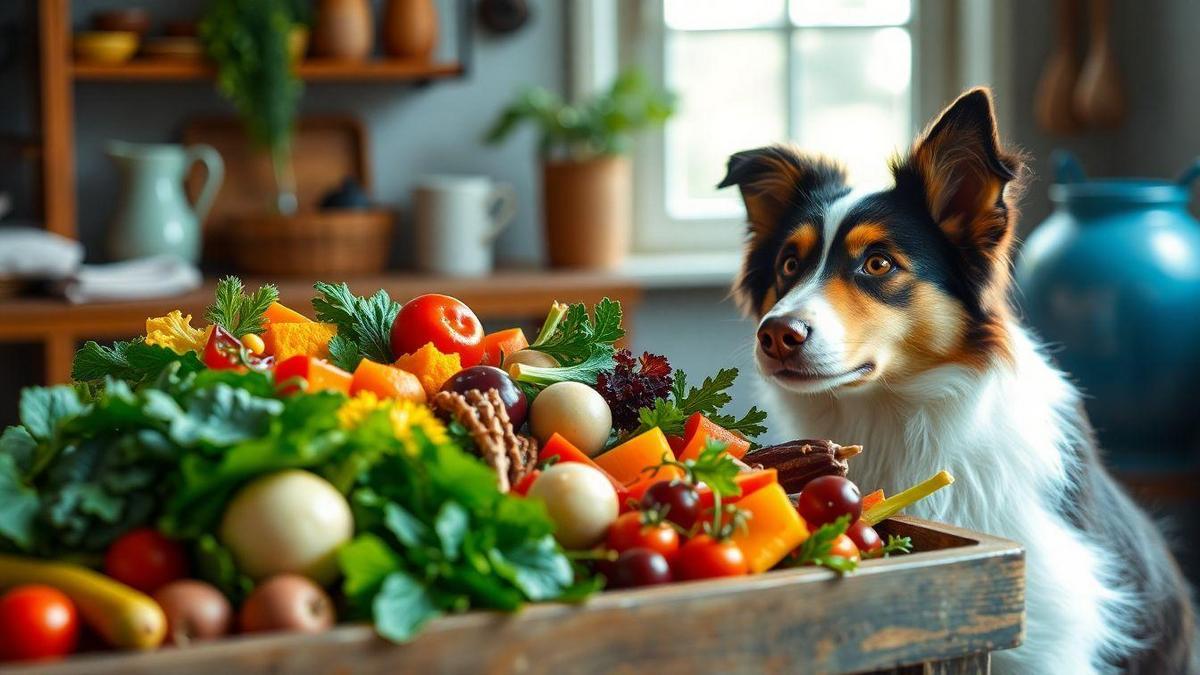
{"x":440,"y":538}
{"x":581,"y":344}
{"x":708,"y":399}
{"x":237,"y":312}
{"x":133,"y":361}
{"x":364,"y":324}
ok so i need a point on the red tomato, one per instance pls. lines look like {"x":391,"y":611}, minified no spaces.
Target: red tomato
{"x":704,"y":558}
{"x":865,"y":538}
{"x":629,"y":532}
{"x":844,"y":546}
{"x":446,"y":322}
{"x":37,"y":622}
{"x":145,"y":560}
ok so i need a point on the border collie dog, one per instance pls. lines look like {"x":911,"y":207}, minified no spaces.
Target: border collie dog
{"x":884,"y":320}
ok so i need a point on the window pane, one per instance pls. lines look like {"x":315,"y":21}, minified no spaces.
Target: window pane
{"x":850,"y":12}
{"x":852,"y":96}
{"x":724,"y":107}
{"x":722,"y":14}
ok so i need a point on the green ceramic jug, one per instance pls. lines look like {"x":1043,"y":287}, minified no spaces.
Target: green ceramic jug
{"x":153,"y":214}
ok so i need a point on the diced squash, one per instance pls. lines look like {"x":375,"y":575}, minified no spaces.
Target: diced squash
{"x":626,"y":461}
{"x":431,"y":367}
{"x":285,"y":340}
{"x":386,"y":382}
{"x":774,"y":529}
{"x":278,"y":313}
{"x":502,"y":343}
{"x":317,"y":374}
{"x":748,"y":481}
{"x":735,"y":445}
{"x":872,"y":499}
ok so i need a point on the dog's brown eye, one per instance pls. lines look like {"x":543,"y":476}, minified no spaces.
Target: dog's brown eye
{"x":789,"y":266}
{"x":878,"y":265}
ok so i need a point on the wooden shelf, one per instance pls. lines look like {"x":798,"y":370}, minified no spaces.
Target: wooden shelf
{"x":313,"y":70}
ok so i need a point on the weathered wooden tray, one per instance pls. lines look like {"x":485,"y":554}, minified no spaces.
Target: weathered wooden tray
{"x":943,"y":610}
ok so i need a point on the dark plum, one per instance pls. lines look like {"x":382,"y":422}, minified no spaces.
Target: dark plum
{"x":489,"y":377}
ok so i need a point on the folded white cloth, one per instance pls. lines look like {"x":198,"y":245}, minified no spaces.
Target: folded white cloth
{"x":157,"y":277}
{"x":30,"y":253}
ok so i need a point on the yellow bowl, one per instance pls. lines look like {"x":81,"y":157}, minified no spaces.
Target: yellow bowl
{"x":111,"y":47}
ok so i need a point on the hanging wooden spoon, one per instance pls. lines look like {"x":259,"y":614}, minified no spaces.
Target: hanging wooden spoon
{"x":1052,"y":103}
{"x":1099,"y":96}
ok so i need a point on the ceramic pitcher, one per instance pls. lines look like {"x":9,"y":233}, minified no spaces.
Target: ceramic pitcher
{"x":153,"y":214}
{"x":1112,"y":281}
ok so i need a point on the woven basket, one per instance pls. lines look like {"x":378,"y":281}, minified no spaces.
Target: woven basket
{"x":326,"y":243}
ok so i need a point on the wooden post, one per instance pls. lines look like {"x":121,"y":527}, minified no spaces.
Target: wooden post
{"x":57,"y":112}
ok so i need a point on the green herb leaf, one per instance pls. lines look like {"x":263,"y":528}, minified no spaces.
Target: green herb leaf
{"x":817,"y":549}
{"x":451,"y":527}
{"x":402,"y":607}
{"x":537,"y":568}
{"x":222,"y":415}
{"x":715,"y":468}
{"x":894,"y":545}
{"x":586,"y":371}
{"x":42,"y":409}
{"x":408,"y":528}
{"x":237,"y":312}
{"x":19,"y":504}
{"x":365,"y":323}
{"x":365,"y":562}
{"x":708,"y":399}
{"x":132,"y":361}
{"x":578,"y":336}
{"x":215,"y":564}
{"x":750,"y":424}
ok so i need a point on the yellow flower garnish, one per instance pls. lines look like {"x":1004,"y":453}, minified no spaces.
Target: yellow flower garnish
{"x":174,"y":331}
{"x":403,"y":415}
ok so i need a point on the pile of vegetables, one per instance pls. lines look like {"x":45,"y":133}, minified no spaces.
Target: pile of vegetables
{"x":390,"y":463}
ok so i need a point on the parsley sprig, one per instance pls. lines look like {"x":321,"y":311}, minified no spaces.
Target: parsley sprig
{"x":710,"y":398}
{"x":582,"y":345}
{"x":238,"y":312}
{"x":894,"y":545}
{"x":817,"y":549}
{"x":364,"y":324}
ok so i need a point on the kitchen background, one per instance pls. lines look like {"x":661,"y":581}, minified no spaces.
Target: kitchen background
{"x":436,"y":129}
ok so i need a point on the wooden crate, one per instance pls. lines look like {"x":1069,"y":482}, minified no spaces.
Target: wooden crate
{"x":941,"y":610}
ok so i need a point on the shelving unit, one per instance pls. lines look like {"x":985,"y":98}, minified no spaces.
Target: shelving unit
{"x":59,"y":74}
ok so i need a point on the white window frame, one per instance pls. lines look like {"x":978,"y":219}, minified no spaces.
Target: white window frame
{"x":605,"y":34}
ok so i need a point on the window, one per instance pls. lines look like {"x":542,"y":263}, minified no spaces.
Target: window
{"x":833,"y":76}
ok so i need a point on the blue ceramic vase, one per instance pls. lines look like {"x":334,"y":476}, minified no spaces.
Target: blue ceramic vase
{"x":1111,"y":280}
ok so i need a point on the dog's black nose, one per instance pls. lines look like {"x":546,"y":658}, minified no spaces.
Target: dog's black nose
{"x":780,"y":337}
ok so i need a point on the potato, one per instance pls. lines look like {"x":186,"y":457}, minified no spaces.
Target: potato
{"x":580,"y":500}
{"x":195,"y":611}
{"x":288,"y":602}
{"x":576,"y":412}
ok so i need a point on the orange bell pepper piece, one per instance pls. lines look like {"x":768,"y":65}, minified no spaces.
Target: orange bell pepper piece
{"x":278,"y":313}
{"x":502,"y":343}
{"x":774,"y":529}
{"x":318,"y":375}
{"x":872,"y":499}
{"x":431,"y":367}
{"x":285,"y":340}
{"x":748,"y":481}
{"x":735,"y":445}
{"x":386,"y":382}
{"x":626,"y":461}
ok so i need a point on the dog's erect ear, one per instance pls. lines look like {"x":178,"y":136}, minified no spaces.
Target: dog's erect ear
{"x":964,"y":173}
{"x":774,"y":179}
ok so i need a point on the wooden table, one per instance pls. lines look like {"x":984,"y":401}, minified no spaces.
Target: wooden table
{"x":60,"y":326}
{"x":941,"y":610}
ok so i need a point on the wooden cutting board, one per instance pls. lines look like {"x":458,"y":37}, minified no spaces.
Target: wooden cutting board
{"x":326,"y":150}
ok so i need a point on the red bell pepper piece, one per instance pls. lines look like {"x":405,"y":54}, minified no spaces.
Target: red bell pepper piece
{"x":523,"y":485}
{"x":748,"y":481}
{"x":562,"y":450}
{"x":318,"y":374}
{"x":502,"y":343}
{"x":735,"y":445}
{"x":677,"y":443}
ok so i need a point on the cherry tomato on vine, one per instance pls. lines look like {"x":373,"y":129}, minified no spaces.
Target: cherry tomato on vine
{"x":630,"y":532}
{"x":37,"y":622}
{"x":680,"y":500}
{"x":639,"y":567}
{"x":703,"y":557}
{"x":844,"y":546}
{"x":864,"y":536}
{"x":828,"y":498}
{"x":146,"y":560}
{"x":445,"y":321}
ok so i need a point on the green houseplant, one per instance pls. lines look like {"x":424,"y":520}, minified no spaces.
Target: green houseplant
{"x":248,"y":40}
{"x":586,"y":179}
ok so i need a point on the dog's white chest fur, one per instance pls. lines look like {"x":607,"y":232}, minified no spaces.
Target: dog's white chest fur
{"x":1005,"y":436}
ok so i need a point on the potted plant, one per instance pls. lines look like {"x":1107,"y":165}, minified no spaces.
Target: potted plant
{"x":249,"y":41}
{"x":586,"y":178}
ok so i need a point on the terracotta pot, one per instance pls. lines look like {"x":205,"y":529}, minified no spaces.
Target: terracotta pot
{"x":344,"y":29}
{"x":588,"y":211}
{"x":410,"y":28}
